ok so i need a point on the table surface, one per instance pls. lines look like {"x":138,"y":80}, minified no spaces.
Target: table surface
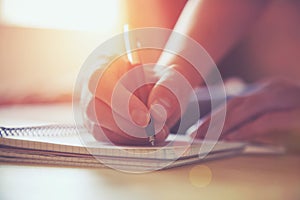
{"x":243,"y":177}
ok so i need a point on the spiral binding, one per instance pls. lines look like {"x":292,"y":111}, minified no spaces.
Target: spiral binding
{"x":40,"y":131}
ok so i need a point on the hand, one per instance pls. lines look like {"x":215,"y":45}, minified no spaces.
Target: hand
{"x":271,"y":109}
{"x":111,"y":119}
{"x":162,"y":100}
{"x":170,"y":95}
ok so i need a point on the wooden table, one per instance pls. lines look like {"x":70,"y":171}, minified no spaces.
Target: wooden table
{"x":247,"y":177}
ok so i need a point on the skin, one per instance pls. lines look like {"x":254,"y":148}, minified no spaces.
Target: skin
{"x":215,"y":25}
{"x":105,"y":116}
{"x":273,"y":108}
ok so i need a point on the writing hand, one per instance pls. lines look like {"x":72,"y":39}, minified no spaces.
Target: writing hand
{"x":108,"y":117}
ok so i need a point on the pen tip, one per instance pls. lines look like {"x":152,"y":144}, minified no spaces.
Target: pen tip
{"x":152,"y":143}
{"x":152,"y":140}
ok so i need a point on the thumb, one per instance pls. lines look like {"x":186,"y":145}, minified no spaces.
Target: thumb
{"x":170,"y":95}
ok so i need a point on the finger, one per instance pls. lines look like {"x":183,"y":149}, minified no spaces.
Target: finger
{"x":94,"y":80}
{"x":170,"y":94}
{"x":111,"y":71}
{"x":102,"y":115}
{"x":110,"y":90}
{"x":105,"y":135}
{"x":242,"y":109}
{"x":238,"y":111}
{"x":230,"y":110}
{"x":124,"y":103}
{"x":275,"y":95}
{"x":271,"y":122}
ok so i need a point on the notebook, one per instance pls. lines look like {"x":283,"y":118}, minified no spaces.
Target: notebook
{"x":64,"y":145}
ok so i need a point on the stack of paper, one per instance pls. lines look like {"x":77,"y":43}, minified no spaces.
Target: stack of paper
{"x":72,"y":149}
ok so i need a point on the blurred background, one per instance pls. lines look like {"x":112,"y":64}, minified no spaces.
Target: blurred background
{"x":43,"y":43}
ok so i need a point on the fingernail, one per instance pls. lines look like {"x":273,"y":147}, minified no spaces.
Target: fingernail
{"x":166,"y":103}
{"x":140,"y":117}
{"x":158,"y":112}
{"x":161,"y":108}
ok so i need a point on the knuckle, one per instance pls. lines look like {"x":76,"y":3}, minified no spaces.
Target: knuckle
{"x":94,"y":80}
{"x":90,"y":110}
{"x":235,"y":106}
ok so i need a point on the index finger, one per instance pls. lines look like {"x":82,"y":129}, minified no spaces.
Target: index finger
{"x":105,"y":85}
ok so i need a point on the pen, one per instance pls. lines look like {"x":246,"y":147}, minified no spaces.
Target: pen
{"x":150,"y":129}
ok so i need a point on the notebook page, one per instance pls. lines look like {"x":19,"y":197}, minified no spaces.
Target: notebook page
{"x":74,"y":144}
{"x":90,"y":161}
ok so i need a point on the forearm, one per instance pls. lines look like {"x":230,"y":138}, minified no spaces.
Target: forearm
{"x":217,"y":25}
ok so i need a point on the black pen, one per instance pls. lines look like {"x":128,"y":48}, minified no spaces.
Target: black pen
{"x":150,"y":129}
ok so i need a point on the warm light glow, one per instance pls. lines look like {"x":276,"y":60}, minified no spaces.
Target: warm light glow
{"x":200,"y":176}
{"x":99,"y":15}
{"x":127,"y":43}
